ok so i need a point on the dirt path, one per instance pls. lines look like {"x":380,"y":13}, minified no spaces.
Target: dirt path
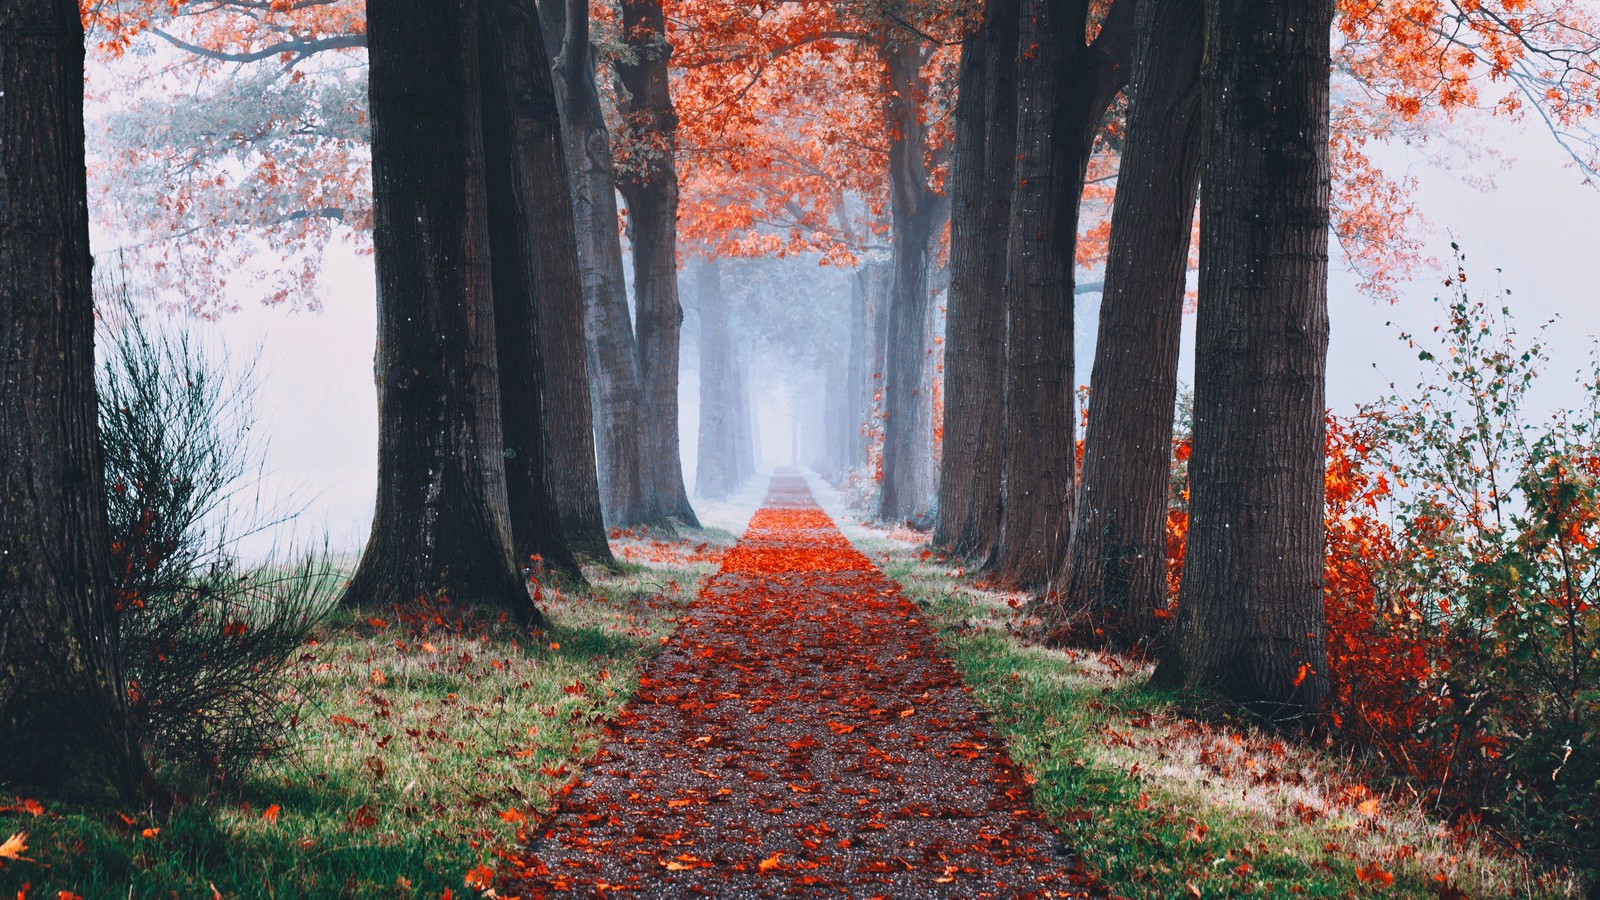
{"x":802,"y":734}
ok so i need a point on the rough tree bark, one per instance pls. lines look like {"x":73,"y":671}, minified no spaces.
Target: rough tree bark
{"x":1118,"y":552}
{"x":908,"y":477}
{"x":981,"y":167}
{"x":1250,"y":619}
{"x":717,"y":474}
{"x":441,"y":525}
{"x":65,"y":730}
{"x":615,"y":385}
{"x":650,"y":188}
{"x":1064,"y":87}
{"x":553,"y":495}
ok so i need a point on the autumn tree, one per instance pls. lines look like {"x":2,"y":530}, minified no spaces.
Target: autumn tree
{"x":65,"y":728}
{"x":615,"y":385}
{"x":717,"y":471}
{"x":982,"y":156}
{"x":1250,"y":615}
{"x":1067,"y":75}
{"x":648,"y":181}
{"x":1117,"y":564}
{"x":442,"y":523}
{"x":553,"y":493}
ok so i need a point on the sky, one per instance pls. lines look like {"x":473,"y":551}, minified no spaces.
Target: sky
{"x":317,"y":401}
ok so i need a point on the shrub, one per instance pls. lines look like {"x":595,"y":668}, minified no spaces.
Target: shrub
{"x":1465,"y":631}
{"x":205,"y":637}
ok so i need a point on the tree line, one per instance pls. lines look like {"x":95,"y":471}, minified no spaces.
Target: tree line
{"x":523,"y":407}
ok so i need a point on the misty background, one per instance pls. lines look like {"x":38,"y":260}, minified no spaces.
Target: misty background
{"x":317,"y":404}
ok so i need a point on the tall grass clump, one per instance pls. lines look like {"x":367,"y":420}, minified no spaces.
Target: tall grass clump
{"x":206,"y":636}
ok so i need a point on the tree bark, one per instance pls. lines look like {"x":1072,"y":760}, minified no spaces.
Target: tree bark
{"x":441,"y":525}
{"x":1118,"y":552}
{"x":981,"y":167}
{"x":1064,"y":88}
{"x":907,"y":489}
{"x":65,"y":729}
{"x":650,"y":187}
{"x":1250,"y":618}
{"x":615,"y":385}
{"x":553,"y":495}
{"x":717,"y":475}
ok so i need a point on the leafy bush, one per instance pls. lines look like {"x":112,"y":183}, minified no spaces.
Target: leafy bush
{"x":205,"y":638}
{"x":1465,"y":629}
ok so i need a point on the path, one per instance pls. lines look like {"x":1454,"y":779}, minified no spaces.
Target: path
{"x":802,"y":734}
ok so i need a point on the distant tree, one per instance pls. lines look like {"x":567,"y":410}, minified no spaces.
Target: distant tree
{"x":442,"y":522}
{"x":1250,"y":614}
{"x":65,"y":728}
{"x":717,"y":469}
{"x":649,"y":183}
{"x":616,"y":389}
{"x":1117,"y":569}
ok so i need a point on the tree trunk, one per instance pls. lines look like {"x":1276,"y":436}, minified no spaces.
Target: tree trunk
{"x":907,"y":489}
{"x":717,"y":474}
{"x":746,"y":434}
{"x":615,"y":386}
{"x":981,"y":168}
{"x":1118,"y":553}
{"x":65,"y":729}
{"x":553,"y":495}
{"x":1250,"y":618}
{"x":650,"y":188}
{"x":1064,"y":88}
{"x":858,"y":380}
{"x":441,"y":525}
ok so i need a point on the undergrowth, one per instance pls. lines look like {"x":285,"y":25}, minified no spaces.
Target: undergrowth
{"x":420,"y":753}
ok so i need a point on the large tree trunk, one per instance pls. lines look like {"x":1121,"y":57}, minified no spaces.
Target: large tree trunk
{"x":717,"y":475}
{"x":615,"y":387}
{"x":441,"y":525}
{"x":1250,"y":618}
{"x":858,"y":380}
{"x":650,"y":188}
{"x":907,"y":489}
{"x":1118,"y":553}
{"x":1064,"y":88}
{"x":64,"y":723}
{"x":553,"y":495}
{"x":981,"y":166}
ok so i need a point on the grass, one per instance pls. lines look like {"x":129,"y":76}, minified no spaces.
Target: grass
{"x":420,"y":753}
{"x":1168,"y":795}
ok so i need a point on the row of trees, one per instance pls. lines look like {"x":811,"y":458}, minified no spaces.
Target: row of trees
{"x":497,"y":155}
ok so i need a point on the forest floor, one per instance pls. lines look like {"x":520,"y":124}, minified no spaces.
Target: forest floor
{"x":803,"y":733}
{"x":427,"y":760}
{"x":1169,"y":795}
{"x":420,"y":752}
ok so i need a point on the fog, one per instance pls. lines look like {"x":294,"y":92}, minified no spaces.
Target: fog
{"x":317,"y":402}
